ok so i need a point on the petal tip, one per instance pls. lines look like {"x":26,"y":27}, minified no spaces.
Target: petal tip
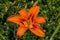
{"x":18,"y":36}
{"x":43,"y":35}
{"x":21,"y":10}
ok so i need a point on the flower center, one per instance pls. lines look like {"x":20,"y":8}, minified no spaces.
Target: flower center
{"x":28,"y":24}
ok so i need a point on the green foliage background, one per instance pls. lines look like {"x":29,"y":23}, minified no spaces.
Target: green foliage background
{"x":50,"y":9}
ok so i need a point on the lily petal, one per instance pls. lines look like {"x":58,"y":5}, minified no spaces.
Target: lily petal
{"x":38,"y":31}
{"x":23,"y":12}
{"x":14,"y":19}
{"x":34,"y":11}
{"x":21,"y":30}
{"x":40,"y":20}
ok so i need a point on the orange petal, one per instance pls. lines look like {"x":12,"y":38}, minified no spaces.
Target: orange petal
{"x":21,"y":30}
{"x":38,"y":31}
{"x":34,"y":10}
{"x":23,"y":12}
{"x":14,"y":18}
{"x":40,"y":20}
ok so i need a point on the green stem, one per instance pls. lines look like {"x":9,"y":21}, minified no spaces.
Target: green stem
{"x":26,"y":6}
{"x":55,"y":32}
{"x":2,"y":37}
{"x":35,"y":3}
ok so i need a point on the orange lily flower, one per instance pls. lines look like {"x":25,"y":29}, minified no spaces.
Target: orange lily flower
{"x":28,"y":20}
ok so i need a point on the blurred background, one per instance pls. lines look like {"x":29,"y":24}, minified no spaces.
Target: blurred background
{"x":50,"y":9}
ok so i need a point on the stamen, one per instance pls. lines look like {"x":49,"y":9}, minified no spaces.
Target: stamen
{"x":25,"y":23}
{"x":28,"y":24}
